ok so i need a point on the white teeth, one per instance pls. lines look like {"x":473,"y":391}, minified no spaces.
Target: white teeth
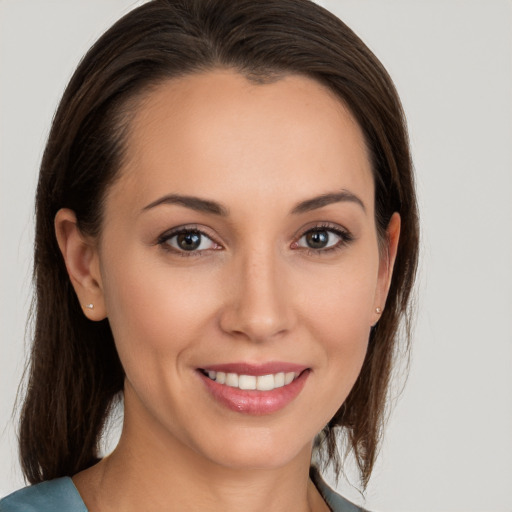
{"x":247,"y":382}
{"x":279,"y":380}
{"x":232,"y":380}
{"x":289,"y":377}
{"x":261,"y":383}
{"x":265,"y":383}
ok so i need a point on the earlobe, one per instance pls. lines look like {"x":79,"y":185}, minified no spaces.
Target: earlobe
{"x":387,"y":263}
{"x":82,"y":263}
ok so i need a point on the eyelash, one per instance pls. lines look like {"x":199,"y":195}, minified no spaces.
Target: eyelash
{"x":163,"y":241}
{"x":345,"y":238}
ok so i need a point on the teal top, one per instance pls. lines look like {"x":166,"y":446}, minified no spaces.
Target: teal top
{"x":61,"y":495}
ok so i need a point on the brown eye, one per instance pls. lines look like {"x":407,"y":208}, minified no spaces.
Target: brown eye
{"x":323,"y":239}
{"x":188,"y":241}
{"x":317,"y":239}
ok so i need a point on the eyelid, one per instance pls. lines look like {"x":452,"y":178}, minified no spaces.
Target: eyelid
{"x":319,"y":225}
{"x":186,"y":228}
{"x":346,"y":237}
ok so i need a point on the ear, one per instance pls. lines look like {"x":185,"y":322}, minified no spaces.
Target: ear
{"x":386,"y":264}
{"x":82,"y":263}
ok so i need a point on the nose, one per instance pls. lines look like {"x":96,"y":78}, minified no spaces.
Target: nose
{"x":258,"y":305}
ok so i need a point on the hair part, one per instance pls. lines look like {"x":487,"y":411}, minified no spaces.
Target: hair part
{"x":75,"y":373}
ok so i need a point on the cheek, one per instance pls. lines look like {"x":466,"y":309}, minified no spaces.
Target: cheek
{"x":155,"y":312}
{"x":345,"y":332}
{"x":341,"y":299}
{"x":339,"y":316}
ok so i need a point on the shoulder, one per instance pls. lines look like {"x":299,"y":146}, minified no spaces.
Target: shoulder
{"x":59,"y":495}
{"x":335,"y":501}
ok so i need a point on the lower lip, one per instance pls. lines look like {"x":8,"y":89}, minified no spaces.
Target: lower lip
{"x":254,"y":401}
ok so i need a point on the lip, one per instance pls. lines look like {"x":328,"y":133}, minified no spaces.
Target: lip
{"x":255,"y":402}
{"x":256,"y":369}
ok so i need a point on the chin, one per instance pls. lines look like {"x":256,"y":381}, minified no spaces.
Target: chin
{"x":254,"y":449}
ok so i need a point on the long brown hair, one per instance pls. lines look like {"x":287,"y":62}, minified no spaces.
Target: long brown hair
{"x":75,"y":373}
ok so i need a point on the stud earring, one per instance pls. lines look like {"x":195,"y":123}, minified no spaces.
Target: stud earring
{"x":378,"y":311}
{"x":89,"y":306}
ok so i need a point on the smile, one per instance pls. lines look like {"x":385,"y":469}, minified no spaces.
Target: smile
{"x":253,"y":382}
{"x":255,"y":390}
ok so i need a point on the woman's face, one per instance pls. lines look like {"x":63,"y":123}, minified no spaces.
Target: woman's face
{"x":239,"y":250}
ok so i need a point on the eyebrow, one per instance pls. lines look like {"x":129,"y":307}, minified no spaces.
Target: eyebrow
{"x":194,"y":203}
{"x":208,"y":206}
{"x":327,"y":199}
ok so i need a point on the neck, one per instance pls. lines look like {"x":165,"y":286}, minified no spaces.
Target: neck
{"x":150,"y":470}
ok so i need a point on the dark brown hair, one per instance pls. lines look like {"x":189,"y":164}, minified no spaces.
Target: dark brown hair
{"x":75,"y":373}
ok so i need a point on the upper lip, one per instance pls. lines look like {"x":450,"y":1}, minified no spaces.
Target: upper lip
{"x":243,"y":368}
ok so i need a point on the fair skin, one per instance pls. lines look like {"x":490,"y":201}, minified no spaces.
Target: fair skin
{"x":257,"y":274}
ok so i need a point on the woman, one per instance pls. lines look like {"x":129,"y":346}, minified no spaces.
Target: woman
{"x":227,"y":234}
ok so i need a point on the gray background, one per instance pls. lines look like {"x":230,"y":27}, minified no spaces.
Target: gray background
{"x":448,"y":445}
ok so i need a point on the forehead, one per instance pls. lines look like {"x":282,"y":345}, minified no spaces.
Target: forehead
{"x":220,"y":134}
